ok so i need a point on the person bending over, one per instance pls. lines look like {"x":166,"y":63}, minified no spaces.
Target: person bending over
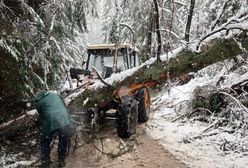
{"x":55,"y":120}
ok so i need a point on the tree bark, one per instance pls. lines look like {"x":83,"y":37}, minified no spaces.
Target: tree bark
{"x":159,"y":37}
{"x":189,"y":20}
{"x":150,"y":28}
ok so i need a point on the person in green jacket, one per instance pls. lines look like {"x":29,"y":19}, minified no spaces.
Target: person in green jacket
{"x":55,"y":120}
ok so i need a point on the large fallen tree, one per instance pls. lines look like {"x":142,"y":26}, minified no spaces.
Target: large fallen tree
{"x":185,"y":62}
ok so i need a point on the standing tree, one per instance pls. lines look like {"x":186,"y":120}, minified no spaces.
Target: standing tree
{"x":157,"y":22}
{"x":148,"y":48}
{"x":189,"y":20}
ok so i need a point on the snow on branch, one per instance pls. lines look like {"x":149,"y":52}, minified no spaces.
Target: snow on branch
{"x":240,"y":45}
{"x":35,"y":16}
{"x":236,"y":100}
{"x":170,"y":31}
{"x":219,"y":16}
{"x":128,"y":26}
{"x":181,"y":3}
{"x":5,"y":46}
{"x":238,"y":21}
{"x":166,"y":10}
{"x":52,"y":23}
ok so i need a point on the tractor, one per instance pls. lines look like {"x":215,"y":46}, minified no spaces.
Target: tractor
{"x":111,"y":58}
{"x":129,"y":105}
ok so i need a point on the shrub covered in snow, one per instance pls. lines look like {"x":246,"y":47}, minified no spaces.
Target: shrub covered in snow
{"x":222,"y":104}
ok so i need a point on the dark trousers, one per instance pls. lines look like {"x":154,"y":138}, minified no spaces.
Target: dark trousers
{"x":62,"y":146}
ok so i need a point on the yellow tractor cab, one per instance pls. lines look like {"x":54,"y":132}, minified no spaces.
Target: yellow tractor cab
{"x":111,"y":58}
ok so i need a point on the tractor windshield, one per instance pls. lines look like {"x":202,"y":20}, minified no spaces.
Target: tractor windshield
{"x":100,"y":62}
{"x":102,"y":58}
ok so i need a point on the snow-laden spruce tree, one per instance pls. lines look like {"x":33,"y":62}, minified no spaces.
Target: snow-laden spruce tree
{"x":128,"y":21}
{"x":39,"y":41}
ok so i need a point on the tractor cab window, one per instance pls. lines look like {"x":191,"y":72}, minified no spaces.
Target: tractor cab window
{"x":108,"y":61}
{"x":95,"y":61}
{"x":99,"y":62}
{"x":102,"y":58}
{"x":134,"y":59}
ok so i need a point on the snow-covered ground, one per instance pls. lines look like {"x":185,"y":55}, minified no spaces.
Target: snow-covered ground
{"x":175,"y":136}
{"x":14,"y":160}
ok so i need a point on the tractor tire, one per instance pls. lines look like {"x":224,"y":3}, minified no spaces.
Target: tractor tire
{"x":127,"y":117}
{"x":144,"y":105}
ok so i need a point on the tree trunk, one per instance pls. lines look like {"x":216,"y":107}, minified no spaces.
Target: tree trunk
{"x":189,"y":20}
{"x":150,"y":28}
{"x":159,"y":37}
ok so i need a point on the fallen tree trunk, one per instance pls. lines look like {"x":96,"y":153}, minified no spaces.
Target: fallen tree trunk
{"x":99,"y":94}
{"x":185,"y":62}
{"x":19,"y":126}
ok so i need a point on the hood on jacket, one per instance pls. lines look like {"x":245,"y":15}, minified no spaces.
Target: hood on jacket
{"x":41,"y":95}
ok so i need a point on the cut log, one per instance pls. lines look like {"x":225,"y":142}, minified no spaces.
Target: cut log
{"x":19,"y":126}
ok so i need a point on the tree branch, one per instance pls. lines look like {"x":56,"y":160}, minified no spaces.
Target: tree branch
{"x":229,"y":25}
{"x":221,"y":12}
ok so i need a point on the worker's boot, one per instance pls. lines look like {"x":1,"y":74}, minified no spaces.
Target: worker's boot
{"x":61,"y":161}
{"x":45,"y":163}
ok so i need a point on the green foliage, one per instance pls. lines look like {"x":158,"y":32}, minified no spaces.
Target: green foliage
{"x":94,"y":100}
{"x":213,"y":102}
{"x":39,"y":40}
{"x":155,"y":71}
{"x":12,"y":84}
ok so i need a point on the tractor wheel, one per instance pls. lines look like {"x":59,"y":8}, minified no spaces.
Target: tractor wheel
{"x":144,"y":104}
{"x":127,"y":117}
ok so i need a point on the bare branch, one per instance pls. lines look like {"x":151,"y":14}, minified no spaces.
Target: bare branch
{"x":240,"y":45}
{"x":128,"y":26}
{"x":170,"y":31}
{"x":221,"y":12}
{"x":181,"y":3}
{"x":235,"y":22}
{"x":100,"y":77}
{"x":166,"y":10}
{"x":236,"y":100}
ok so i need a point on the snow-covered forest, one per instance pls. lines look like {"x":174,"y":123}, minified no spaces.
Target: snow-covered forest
{"x":192,"y":54}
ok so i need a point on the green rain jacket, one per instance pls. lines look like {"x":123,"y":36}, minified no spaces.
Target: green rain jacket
{"x":53,"y":112}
